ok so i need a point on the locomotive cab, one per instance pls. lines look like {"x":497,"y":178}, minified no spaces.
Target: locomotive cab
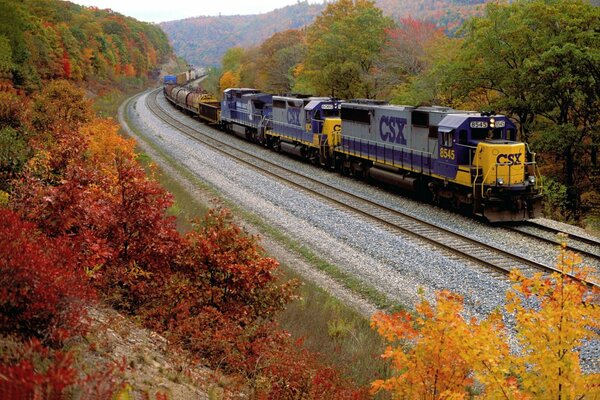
{"x":479,"y":151}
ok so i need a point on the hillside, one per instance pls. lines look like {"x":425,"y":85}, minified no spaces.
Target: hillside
{"x":203,"y":40}
{"x":45,"y":40}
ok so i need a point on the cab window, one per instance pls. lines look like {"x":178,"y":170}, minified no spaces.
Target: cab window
{"x":462,"y":137}
{"x":447,"y":138}
{"x":511,"y":134}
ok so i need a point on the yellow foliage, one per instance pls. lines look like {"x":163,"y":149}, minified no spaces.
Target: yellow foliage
{"x":427,"y":359}
{"x":437,"y":354}
{"x":4,"y":197}
{"x":552,"y":332}
{"x":105,"y":145}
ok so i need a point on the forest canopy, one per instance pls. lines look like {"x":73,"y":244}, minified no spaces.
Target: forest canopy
{"x":42,"y":40}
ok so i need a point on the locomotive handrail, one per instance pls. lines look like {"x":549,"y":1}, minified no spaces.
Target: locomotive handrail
{"x":403,"y":150}
{"x":287,"y":124}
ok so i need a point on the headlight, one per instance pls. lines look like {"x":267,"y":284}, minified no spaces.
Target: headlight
{"x":500,"y":181}
{"x":531,"y":179}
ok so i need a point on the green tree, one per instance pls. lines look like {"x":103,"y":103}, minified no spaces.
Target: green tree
{"x":343,"y":45}
{"x":6,"y":63}
{"x":232,"y":59}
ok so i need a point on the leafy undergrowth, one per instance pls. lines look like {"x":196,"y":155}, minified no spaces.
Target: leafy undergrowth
{"x":82,"y":225}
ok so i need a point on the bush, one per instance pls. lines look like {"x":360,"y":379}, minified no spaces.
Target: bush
{"x":43,"y":292}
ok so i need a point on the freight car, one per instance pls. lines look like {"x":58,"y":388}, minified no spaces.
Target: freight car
{"x":466,"y":159}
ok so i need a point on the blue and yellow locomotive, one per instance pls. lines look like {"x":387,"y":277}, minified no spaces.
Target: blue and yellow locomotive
{"x":467,"y":159}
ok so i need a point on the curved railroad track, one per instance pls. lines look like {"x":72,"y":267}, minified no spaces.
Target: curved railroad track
{"x":453,"y":244}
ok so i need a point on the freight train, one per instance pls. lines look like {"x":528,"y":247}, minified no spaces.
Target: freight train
{"x":468,"y":160}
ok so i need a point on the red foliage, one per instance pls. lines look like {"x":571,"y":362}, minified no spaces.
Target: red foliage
{"x":219,"y":304}
{"x":66,"y":65}
{"x":143,"y":239}
{"x":230,"y":271}
{"x":32,"y":371}
{"x":41,"y":289}
{"x":36,"y":372}
{"x":116,"y":225}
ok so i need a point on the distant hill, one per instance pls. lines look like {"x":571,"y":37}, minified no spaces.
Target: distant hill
{"x":204,"y":40}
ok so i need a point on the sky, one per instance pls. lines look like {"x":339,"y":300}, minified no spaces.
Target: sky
{"x":168,"y":10}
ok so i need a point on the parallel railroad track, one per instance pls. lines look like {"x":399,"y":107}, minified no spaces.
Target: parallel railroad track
{"x":587,"y":247}
{"x":442,"y":239}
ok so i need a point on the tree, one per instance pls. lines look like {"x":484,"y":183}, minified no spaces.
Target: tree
{"x":436,"y":354}
{"x":555,"y":316}
{"x":427,"y":360}
{"x":405,"y":55}
{"x":43,"y":290}
{"x":232,"y":59}
{"x":229,"y":80}
{"x":278,"y":57}
{"x":343,"y":46}
{"x":60,"y":106}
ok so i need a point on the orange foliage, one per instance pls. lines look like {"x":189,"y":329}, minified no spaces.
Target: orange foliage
{"x":105,"y":144}
{"x":229,"y":80}
{"x":129,"y":70}
{"x":428,"y":359}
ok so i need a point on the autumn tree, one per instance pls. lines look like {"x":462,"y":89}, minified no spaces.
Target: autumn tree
{"x":229,"y":285}
{"x":427,"y":358}
{"x":229,"y":80}
{"x":343,"y":45}
{"x":405,"y":54}
{"x":439,"y":354}
{"x":278,"y":57}
{"x":60,"y":106}
{"x":555,"y":317}
{"x":43,"y":290}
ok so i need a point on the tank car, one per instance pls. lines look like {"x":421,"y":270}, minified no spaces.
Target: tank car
{"x":466,"y":159}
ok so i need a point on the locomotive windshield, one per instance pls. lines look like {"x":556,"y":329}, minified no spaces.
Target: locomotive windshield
{"x":479,"y":134}
{"x":330,"y":112}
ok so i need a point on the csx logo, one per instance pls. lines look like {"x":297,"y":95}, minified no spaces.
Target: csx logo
{"x":509,"y":159}
{"x":293,"y":116}
{"x":391,"y":129}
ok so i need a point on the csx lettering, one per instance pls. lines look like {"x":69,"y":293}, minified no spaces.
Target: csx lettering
{"x":509,"y":159}
{"x":391,"y":129}
{"x":293,"y":116}
{"x":447,"y":153}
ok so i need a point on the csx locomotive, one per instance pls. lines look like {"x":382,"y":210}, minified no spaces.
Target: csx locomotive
{"x":469,"y":160}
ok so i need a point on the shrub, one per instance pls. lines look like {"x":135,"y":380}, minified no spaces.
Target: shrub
{"x":42,"y":292}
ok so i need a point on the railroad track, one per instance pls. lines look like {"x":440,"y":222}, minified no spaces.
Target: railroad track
{"x":454,"y":244}
{"x":587,"y":247}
